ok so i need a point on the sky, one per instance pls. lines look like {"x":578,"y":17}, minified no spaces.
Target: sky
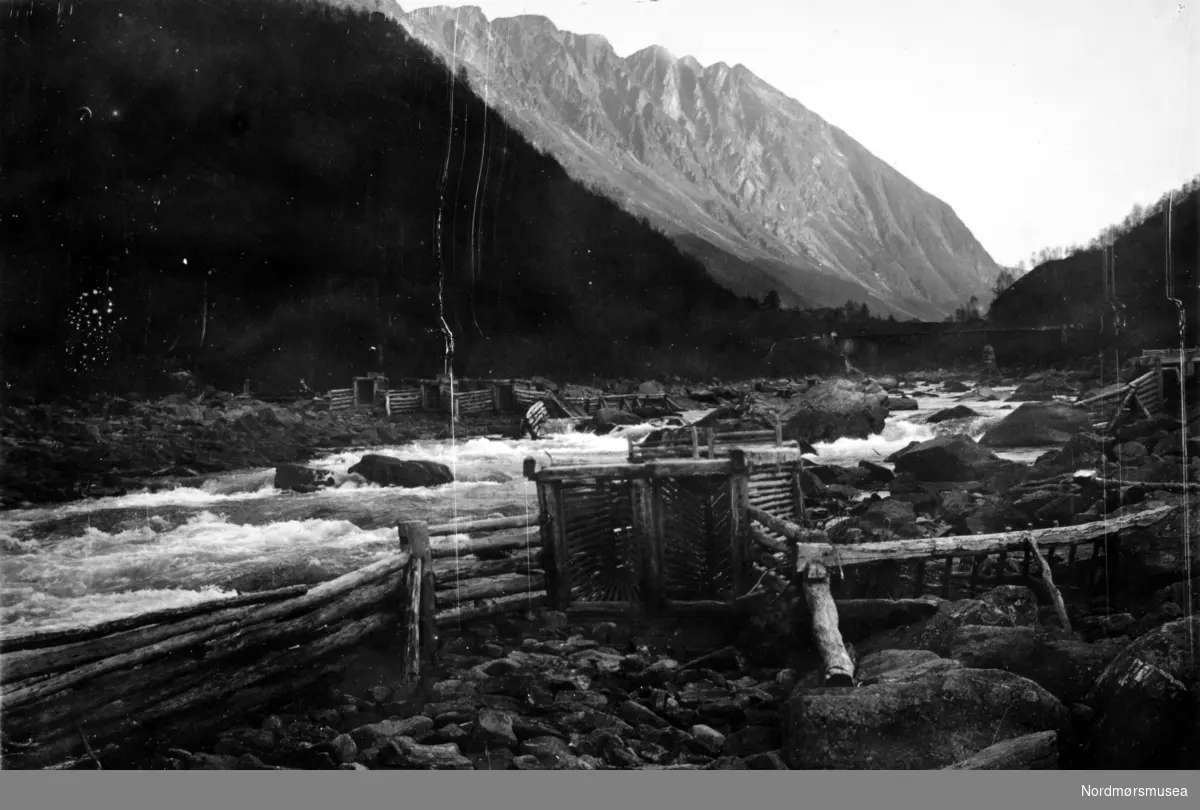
{"x":1038,"y":121}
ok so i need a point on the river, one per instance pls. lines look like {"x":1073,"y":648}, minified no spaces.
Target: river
{"x":87,"y":561}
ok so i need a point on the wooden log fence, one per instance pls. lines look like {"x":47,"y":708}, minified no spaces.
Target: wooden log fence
{"x":403,"y":400}
{"x":706,"y":442}
{"x":65,"y":692}
{"x":341,"y":399}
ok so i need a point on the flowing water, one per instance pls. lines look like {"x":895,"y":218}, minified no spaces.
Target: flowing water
{"x":92,"y":560}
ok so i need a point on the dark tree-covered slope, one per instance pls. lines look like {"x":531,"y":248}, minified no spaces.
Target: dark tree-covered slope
{"x":1124,"y":290}
{"x":275,"y":190}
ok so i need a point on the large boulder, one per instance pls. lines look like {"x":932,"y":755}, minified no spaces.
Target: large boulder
{"x":394,"y":472}
{"x":952,"y":458}
{"x":302,"y":479}
{"x":1038,"y":424}
{"x":1065,"y":667}
{"x":832,"y":410}
{"x":933,"y":714}
{"x":1147,"y":703}
{"x":946,"y":414}
{"x":605,"y":419}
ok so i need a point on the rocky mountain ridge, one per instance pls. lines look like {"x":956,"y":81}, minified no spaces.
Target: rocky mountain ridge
{"x":767,"y":193}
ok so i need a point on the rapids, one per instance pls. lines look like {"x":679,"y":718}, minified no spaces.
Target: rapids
{"x":88,"y":561}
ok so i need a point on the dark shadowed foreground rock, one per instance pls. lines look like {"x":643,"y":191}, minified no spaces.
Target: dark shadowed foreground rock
{"x":1065,"y":667}
{"x":1036,"y":424}
{"x":1147,"y":702}
{"x":1032,"y":752}
{"x":938,"y":717}
{"x":831,"y":410}
{"x":394,"y":472}
{"x":1004,"y":606}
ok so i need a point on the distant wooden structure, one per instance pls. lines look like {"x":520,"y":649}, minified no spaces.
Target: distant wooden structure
{"x":1147,"y":395}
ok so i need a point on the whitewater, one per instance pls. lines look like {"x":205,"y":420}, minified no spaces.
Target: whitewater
{"x":79,"y":563}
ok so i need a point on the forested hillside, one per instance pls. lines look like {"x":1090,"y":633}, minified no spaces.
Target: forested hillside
{"x":278,"y":190}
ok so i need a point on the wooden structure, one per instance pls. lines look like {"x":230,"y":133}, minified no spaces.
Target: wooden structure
{"x":684,"y":537}
{"x":705,"y":442}
{"x":645,"y":540}
{"x":477,"y":396}
{"x":1147,"y":395}
{"x":69,"y":697}
{"x":370,"y":391}
{"x":341,"y":399}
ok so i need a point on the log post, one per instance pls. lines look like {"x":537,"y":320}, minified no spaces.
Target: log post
{"x":1048,"y":580}
{"x":839,"y":669}
{"x":647,"y":508}
{"x":798,"y":495}
{"x":419,"y":626}
{"x":739,"y":522}
{"x":560,"y":598}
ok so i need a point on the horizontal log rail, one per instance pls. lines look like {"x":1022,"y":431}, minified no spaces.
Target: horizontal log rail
{"x":969,"y":545}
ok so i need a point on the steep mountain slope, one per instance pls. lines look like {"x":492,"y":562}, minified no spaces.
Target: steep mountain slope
{"x":720,"y":160}
{"x":276,"y":190}
{"x":1123,"y":292}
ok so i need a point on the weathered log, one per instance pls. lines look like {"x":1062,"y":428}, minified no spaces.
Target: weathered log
{"x":1148,"y":486}
{"x":414,"y":537}
{"x":969,"y":545}
{"x":217,"y":686}
{"x":56,"y":638}
{"x":1030,"y":752}
{"x":839,"y":669}
{"x":483,"y":525}
{"x":1060,"y":607}
{"x":447,"y":571}
{"x":505,"y":542}
{"x":660,"y":469}
{"x":279,"y":632}
{"x":881,"y":613}
{"x":599,"y":609}
{"x":146,"y":680}
{"x":770,"y":543}
{"x":786,"y":527}
{"x":491,"y":588}
{"x":510,"y":604}
{"x":223,"y":625}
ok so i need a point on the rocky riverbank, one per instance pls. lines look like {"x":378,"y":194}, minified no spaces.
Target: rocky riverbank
{"x":57,"y":453}
{"x":983,"y":674}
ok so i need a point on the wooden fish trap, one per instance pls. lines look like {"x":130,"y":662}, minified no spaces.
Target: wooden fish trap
{"x":668,"y":538}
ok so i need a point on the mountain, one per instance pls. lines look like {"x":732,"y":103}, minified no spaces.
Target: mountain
{"x":1124,"y":285}
{"x":274,"y":190}
{"x":764,"y":191}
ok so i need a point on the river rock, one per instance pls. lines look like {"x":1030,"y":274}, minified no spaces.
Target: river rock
{"x":605,"y":419}
{"x":394,"y":472}
{"x":952,"y":458}
{"x":302,"y":479}
{"x":1036,"y":424}
{"x":408,"y":754}
{"x":934,"y":720}
{"x":946,"y":414}
{"x":1065,"y":667}
{"x":1003,"y":606}
{"x":1146,"y":703}
{"x":835,"y":409}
